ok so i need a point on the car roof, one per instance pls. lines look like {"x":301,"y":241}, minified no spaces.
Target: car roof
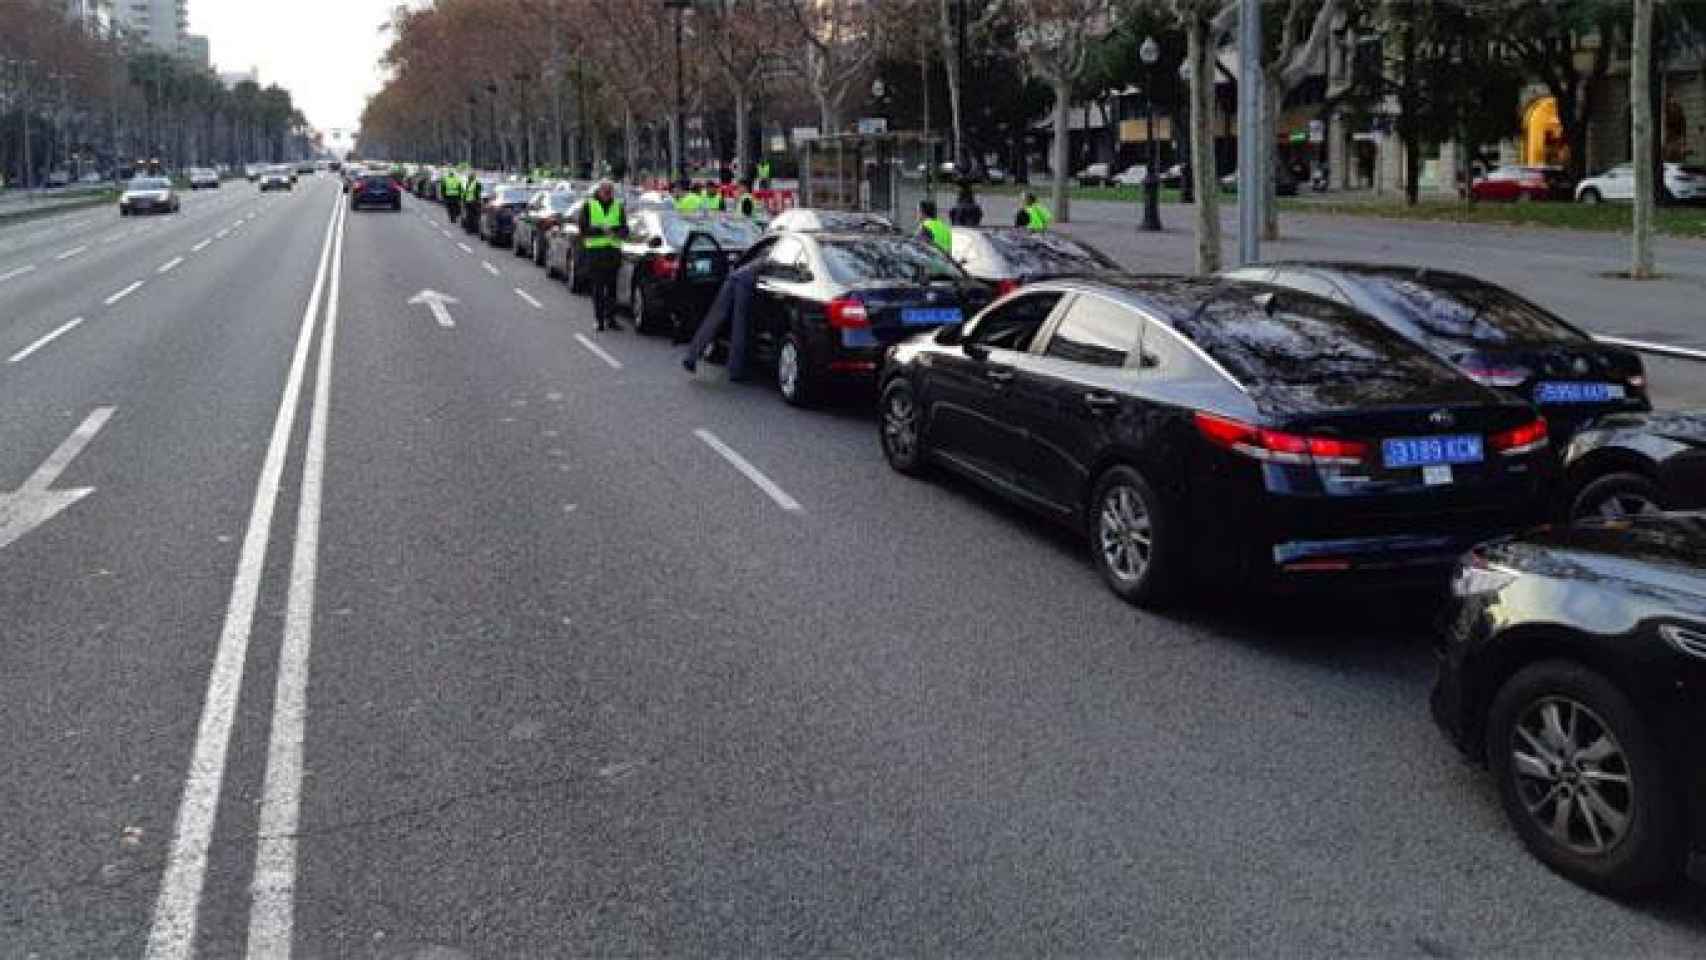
{"x":1391,"y":271}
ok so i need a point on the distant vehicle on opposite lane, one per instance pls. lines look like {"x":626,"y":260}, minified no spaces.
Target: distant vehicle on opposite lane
{"x":276,"y":178}
{"x":1573,"y":664}
{"x":148,"y":195}
{"x":1202,"y":431}
{"x":201,"y":177}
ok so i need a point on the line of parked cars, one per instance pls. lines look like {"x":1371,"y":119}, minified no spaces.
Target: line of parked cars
{"x":1289,"y":426}
{"x":1529,"y":183}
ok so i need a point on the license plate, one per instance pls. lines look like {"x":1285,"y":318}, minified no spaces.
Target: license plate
{"x":1431,"y":451}
{"x":1574,"y":392}
{"x":929,"y":316}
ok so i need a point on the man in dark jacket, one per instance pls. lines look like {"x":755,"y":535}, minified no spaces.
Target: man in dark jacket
{"x":602,"y":229}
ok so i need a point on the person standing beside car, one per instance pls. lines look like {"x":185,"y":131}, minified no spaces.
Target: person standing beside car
{"x":452,"y":190}
{"x":1033,"y":215}
{"x":932,"y":230}
{"x":602,"y":228}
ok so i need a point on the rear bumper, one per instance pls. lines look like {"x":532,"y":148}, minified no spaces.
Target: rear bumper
{"x":1418,"y":559}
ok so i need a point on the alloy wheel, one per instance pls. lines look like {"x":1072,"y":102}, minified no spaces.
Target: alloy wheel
{"x":788,"y":370}
{"x":900,"y":425}
{"x":1126,"y":533}
{"x":1619,"y":506}
{"x":1572,"y":775}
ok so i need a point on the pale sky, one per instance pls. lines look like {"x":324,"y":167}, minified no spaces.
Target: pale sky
{"x":325,"y":52}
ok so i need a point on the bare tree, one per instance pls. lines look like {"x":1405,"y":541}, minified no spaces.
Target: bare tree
{"x":1194,"y":16}
{"x":1055,"y":36}
{"x":1641,"y":132}
{"x":838,"y":42}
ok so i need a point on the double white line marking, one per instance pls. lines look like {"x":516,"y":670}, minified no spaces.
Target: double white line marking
{"x":272,"y":910}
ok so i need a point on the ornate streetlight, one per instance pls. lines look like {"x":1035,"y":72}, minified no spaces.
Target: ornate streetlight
{"x":1150,"y":52}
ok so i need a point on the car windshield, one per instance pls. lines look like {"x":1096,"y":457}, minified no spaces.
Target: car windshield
{"x":731,"y":232}
{"x":150,"y":183}
{"x":515,"y":195}
{"x":1301,"y":340}
{"x":1463,"y":310}
{"x":1028,"y":251}
{"x":886,"y":258}
{"x":560,"y":201}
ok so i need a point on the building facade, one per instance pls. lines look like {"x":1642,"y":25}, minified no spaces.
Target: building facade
{"x":161,"y":24}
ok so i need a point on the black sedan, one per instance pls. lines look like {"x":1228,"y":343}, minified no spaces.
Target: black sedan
{"x":1223,"y":433}
{"x":1488,"y":332}
{"x":673,"y":265}
{"x":1634,"y":463}
{"x":534,"y":224}
{"x":499,"y":209}
{"x":471,"y":211}
{"x":1010,"y":257}
{"x":375,"y":190}
{"x":828,"y":304}
{"x":1573,"y":664}
{"x":811,"y":220}
{"x":563,"y":253}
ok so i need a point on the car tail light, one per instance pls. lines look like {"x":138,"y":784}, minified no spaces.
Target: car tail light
{"x":846,"y":313}
{"x":1489,"y":375}
{"x":663,"y":268}
{"x":1637,"y":382}
{"x":1527,"y":438}
{"x":1004,"y":287}
{"x":1260,"y":443}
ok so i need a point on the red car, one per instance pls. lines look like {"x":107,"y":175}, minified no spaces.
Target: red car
{"x":1512,"y":184}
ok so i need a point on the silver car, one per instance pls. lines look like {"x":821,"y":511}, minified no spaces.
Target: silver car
{"x":148,"y":195}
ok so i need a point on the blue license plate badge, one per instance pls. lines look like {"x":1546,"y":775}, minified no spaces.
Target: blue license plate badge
{"x":1403,"y":452}
{"x":929,"y":316}
{"x":1554,"y":391}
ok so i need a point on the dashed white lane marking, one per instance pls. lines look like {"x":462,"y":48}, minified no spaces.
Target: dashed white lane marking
{"x":27,"y":268}
{"x":176,"y":910}
{"x":222,"y":234}
{"x":598,"y":351}
{"x":201,"y":246}
{"x":237,"y":223}
{"x":523,"y":294}
{"x":465,"y":247}
{"x":751,"y":472}
{"x":169,"y":265}
{"x":272,"y":906}
{"x":74,"y":251}
{"x":445,"y":232}
{"x":63,"y":329}
{"x":127,"y":291}
{"x":487,"y":265}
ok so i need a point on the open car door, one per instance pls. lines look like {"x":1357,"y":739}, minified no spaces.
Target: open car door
{"x":704,"y":265}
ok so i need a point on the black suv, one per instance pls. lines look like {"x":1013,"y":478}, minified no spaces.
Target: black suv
{"x":375,"y":190}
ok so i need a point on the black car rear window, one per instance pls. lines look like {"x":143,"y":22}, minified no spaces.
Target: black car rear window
{"x":1028,"y":251}
{"x":1465,"y":311}
{"x":886,"y":258}
{"x":1300,"y":340}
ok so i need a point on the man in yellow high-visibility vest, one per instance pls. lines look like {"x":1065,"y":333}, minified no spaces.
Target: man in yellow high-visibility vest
{"x":602,"y":228}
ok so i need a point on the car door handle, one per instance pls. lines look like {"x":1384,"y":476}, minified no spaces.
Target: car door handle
{"x":999,"y":375}
{"x":1100,"y":402}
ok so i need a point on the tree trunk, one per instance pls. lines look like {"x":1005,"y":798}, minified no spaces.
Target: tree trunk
{"x":1272,"y":98}
{"x":951,"y":66}
{"x":1641,"y":121}
{"x":743,"y":135}
{"x":1203,"y":174}
{"x":1058,"y":199}
{"x":630,"y":144}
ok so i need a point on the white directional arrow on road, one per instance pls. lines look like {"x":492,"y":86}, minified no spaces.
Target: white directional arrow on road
{"x":436,"y":301}
{"x":33,"y":504}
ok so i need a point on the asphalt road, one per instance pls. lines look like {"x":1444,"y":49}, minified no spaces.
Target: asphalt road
{"x":381,"y":636}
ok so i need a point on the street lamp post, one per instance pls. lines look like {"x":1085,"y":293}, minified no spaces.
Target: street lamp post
{"x":1150,"y":52}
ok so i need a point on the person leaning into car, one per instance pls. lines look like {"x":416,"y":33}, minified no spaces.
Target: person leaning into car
{"x":602,"y":229}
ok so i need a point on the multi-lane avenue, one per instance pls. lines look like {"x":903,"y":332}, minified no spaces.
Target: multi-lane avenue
{"x":358,"y":600}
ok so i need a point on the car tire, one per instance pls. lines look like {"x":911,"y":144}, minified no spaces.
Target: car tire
{"x":900,"y":428}
{"x":793,"y":373}
{"x":551,"y":271}
{"x":123,"y":212}
{"x":1590,"y":195}
{"x":1131,"y":539}
{"x":1614,"y":496}
{"x":516,"y":247}
{"x":538,"y":251}
{"x":1588,"y":711}
{"x":577,"y":284}
{"x":640,"y":306}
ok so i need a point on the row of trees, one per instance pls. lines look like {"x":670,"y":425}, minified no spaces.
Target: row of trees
{"x":73,"y":99}
{"x":567,"y":82}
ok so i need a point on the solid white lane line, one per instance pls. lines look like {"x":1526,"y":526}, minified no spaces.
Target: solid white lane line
{"x":173,"y":934}
{"x":27,"y":268}
{"x":201,"y":246}
{"x":1647,"y":346}
{"x":127,"y":291}
{"x":273,"y":888}
{"x":74,"y":251}
{"x":598,"y":351}
{"x":487,"y":264}
{"x":523,"y":294}
{"x":63,"y":328}
{"x":222,"y":234}
{"x":751,"y":472}
{"x":465,"y":247}
{"x":169,"y":264}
